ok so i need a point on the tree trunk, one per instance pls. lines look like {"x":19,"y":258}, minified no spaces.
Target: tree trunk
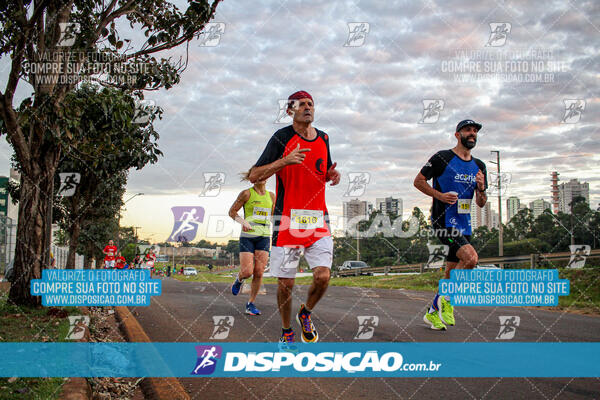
{"x":33,"y":245}
{"x":73,"y":243}
{"x":74,"y":231}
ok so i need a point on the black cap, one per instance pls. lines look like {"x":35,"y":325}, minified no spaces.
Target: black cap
{"x":467,"y":122}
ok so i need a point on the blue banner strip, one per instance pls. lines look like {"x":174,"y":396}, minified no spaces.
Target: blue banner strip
{"x":351,"y":359}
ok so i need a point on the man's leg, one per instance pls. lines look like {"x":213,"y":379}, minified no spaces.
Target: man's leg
{"x":433,"y":315}
{"x":467,"y":259}
{"x":319,"y":257}
{"x":320,"y":283}
{"x":260,"y":262}
{"x":284,"y":300}
{"x":315,"y":292}
{"x":450,"y":265}
{"x":284,"y":262}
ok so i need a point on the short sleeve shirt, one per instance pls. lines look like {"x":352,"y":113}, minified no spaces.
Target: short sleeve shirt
{"x":450,"y":173}
{"x":112,"y":251}
{"x":300,"y":214}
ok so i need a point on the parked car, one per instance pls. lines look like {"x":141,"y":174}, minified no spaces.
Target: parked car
{"x":357,"y":266}
{"x":490,"y":266}
{"x":188,"y":271}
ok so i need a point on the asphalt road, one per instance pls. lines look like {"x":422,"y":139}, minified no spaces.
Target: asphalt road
{"x":185,"y":310}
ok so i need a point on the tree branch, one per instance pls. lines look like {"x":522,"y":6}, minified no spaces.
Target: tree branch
{"x":178,"y":41}
{"x":104,"y":17}
{"x":37,"y":13}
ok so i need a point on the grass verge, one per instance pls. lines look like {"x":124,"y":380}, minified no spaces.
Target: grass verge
{"x":32,"y":324}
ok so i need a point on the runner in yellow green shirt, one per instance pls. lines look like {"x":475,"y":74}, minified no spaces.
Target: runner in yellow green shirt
{"x":255,"y":238}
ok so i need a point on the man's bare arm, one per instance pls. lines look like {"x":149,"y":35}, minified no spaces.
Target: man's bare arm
{"x":264,"y":172}
{"x":421,"y":184}
{"x":480,"y":198}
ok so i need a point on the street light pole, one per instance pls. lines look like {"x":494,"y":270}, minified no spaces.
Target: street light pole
{"x":499,"y":185}
{"x":357,"y":244}
{"x":119,"y":219}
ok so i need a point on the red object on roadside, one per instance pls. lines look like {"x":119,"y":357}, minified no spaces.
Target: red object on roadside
{"x":120,"y":262}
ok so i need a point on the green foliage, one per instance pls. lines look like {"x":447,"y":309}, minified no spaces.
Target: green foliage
{"x":525,"y":246}
{"x":547,"y":233}
{"x":129,"y":251}
{"x":105,"y":151}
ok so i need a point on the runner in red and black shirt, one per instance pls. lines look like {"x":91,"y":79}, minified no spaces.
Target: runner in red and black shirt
{"x":120,"y":261}
{"x":110,"y":252}
{"x":299,"y":157}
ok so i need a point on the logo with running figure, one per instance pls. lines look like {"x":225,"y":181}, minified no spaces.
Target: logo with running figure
{"x":291,"y":257}
{"x":366,"y":326}
{"x":357,"y":184}
{"x":357,"y":34}
{"x":211,"y":35}
{"x":68,"y":33}
{"x":223,"y":324}
{"x":579,"y":254}
{"x":144,"y":109}
{"x":508,"y":327}
{"x":498,"y":34}
{"x":498,"y":184}
{"x":573,"y":110}
{"x":437,"y":255}
{"x":68,"y":183}
{"x":187,"y":221}
{"x":213,"y":182}
{"x":207,"y":359}
{"x":77,"y":325}
{"x":282,"y":114}
{"x":432,"y":109}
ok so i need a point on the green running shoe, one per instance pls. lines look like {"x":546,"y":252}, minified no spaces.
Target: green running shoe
{"x":446,"y":311}
{"x":433,"y":319}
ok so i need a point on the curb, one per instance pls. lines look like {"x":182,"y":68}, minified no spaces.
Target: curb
{"x":153,"y":388}
{"x":78,"y":388}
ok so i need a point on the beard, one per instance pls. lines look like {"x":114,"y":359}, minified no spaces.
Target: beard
{"x":469,"y":144}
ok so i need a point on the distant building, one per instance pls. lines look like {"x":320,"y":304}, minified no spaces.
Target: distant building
{"x":554,"y":191}
{"x":567,"y":191}
{"x":494,"y":221}
{"x":513,"y":205}
{"x":9,"y":213}
{"x":476,"y":215}
{"x":538,"y":206}
{"x":355,"y":208}
{"x":389,"y":205}
{"x":489,"y":218}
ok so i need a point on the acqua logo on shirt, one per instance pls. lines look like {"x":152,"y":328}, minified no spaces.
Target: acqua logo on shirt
{"x":464,"y":178}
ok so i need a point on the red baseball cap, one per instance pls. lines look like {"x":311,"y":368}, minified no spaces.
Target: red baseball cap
{"x":301,"y":94}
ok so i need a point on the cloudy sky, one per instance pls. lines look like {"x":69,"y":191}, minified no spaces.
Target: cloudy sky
{"x":370,"y":87}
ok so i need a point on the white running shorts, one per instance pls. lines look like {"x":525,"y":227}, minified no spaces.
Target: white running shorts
{"x":284,"y":260}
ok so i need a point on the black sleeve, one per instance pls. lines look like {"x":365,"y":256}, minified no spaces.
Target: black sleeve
{"x":273,"y":151}
{"x":483,"y":169}
{"x":436,"y":165}
{"x":329,"y":162}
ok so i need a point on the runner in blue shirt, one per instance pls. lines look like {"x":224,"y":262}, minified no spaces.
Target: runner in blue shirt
{"x":456,"y":177}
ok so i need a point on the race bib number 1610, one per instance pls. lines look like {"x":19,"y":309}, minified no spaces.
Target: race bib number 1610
{"x":306,"y":219}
